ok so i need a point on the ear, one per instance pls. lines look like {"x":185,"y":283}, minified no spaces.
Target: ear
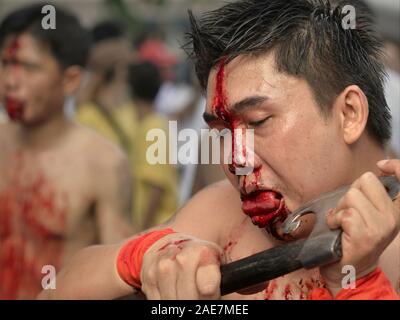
{"x":352,"y":106}
{"x":72,"y":79}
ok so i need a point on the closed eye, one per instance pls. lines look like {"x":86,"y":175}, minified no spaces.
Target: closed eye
{"x":260,"y":122}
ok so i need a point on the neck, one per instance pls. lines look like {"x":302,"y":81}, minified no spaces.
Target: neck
{"x":369,"y":152}
{"x":44,"y":134}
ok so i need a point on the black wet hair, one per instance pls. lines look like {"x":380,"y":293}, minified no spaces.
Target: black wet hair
{"x":144,"y":80}
{"x":69,"y":42}
{"x":309,"y":42}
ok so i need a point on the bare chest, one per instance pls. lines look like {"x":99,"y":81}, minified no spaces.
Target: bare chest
{"x":41,"y":197}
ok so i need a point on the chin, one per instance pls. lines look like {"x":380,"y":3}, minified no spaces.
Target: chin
{"x":30,"y":122}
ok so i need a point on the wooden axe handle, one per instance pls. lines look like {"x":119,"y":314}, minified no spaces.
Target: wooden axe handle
{"x":280,"y":260}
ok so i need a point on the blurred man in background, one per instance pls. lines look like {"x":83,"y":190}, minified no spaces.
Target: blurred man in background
{"x":62,"y":187}
{"x":155,"y":185}
{"x":3,"y":115}
{"x":102,"y":103}
{"x":103,"y":100}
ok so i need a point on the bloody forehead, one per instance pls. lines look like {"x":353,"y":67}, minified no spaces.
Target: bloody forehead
{"x":219,"y":106}
{"x":12,"y":49}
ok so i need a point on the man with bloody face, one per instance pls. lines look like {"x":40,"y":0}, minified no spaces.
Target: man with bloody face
{"x":312,"y":92}
{"x":61,"y":186}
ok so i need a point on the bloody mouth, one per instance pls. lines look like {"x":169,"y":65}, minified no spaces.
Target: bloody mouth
{"x":264,"y":207}
{"x":14,"y":109}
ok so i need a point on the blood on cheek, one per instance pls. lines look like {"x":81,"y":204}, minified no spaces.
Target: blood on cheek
{"x":232,"y":121}
{"x":14,"y":108}
{"x":240,"y":157}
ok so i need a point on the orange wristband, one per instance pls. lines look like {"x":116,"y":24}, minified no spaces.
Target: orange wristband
{"x":130,"y":257}
{"x":373,"y":286}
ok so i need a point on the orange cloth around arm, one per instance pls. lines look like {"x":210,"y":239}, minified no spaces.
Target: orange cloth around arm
{"x":373,"y":286}
{"x":130,"y":257}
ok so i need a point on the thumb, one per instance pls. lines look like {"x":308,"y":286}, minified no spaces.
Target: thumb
{"x":390,"y":167}
{"x":208,"y":279}
{"x":334,"y":219}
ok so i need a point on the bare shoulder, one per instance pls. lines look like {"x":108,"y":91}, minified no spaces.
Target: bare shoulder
{"x":104,"y":165}
{"x":215,"y":208}
{"x":219,"y":197}
{"x":101,"y":153}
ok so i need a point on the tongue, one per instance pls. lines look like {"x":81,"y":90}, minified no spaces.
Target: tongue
{"x":261,"y":203}
{"x":14,"y":109}
{"x":263,"y":206}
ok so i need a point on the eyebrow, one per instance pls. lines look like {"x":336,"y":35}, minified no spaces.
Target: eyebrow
{"x":248,"y":102}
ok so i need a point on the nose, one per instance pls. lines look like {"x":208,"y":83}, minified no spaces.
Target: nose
{"x":11,"y":79}
{"x":242,"y":151}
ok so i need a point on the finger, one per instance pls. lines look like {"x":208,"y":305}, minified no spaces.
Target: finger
{"x":208,"y":279}
{"x":186,"y":283}
{"x":390,"y":167}
{"x":149,"y":284}
{"x":355,"y":199}
{"x":349,"y":220}
{"x":374,"y":190}
{"x":166,"y":280}
{"x":151,"y":292}
{"x":331,"y":220}
{"x":384,"y":216}
{"x":208,"y":275}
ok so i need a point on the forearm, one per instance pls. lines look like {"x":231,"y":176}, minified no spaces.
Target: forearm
{"x":91,"y":274}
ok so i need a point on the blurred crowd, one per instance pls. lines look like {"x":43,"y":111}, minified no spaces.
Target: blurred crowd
{"x":130,"y":87}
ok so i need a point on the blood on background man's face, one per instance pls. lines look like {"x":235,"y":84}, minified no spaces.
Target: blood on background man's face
{"x":32,"y":80}
{"x":1,"y":85}
{"x":298,"y":152}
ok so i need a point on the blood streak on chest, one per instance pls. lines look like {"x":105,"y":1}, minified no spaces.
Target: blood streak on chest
{"x":305,"y":286}
{"x":270,"y":290}
{"x":228,"y":247}
{"x":232,"y":240}
{"x":32,"y":222}
{"x":284,"y":288}
{"x":287,"y":292}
